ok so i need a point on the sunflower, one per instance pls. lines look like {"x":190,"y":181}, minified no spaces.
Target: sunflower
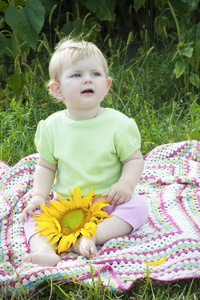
{"x":65,"y":221}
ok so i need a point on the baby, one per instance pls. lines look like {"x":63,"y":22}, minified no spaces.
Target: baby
{"x":85,"y":145}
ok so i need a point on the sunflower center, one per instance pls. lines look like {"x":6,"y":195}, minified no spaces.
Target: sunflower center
{"x":73,"y":219}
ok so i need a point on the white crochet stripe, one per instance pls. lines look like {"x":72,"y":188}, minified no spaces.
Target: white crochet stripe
{"x":170,"y":183}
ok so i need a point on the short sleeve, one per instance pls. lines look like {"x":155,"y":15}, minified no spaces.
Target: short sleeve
{"x":129,"y":140}
{"x":44,"y":144}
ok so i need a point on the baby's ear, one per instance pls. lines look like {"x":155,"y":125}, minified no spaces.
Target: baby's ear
{"x":109,"y":81}
{"x":55,"y":89}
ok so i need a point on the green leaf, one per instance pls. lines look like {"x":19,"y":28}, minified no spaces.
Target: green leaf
{"x":195,"y":59}
{"x":180,"y":67}
{"x":2,"y":44}
{"x":75,"y":28}
{"x":20,"y":3}
{"x":188,"y":51}
{"x":48,"y":4}
{"x":159,"y":23}
{"x":138,"y":4}
{"x":194,"y":79}
{"x":193,"y":35}
{"x":3,"y":6}
{"x":27,"y":22}
{"x":164,"y":2}
{"x":192,"y":4}
{"x":103,"y":9}
{"x":17,"y":82}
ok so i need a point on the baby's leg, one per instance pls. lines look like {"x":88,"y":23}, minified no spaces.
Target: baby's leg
{"x":109,"y":228}
{"x":41,"y":252}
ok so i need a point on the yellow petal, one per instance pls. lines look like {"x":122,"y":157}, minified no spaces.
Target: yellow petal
{"x":50,"y":236}
{"x":55,"y":239}
{"x":59,"y":197}
{"x":38,"y":229}
{"x":91,"y":225}
{"x":45,"y":209}
{"x":63,"y":244}
{"x":87,"y":233}
{"x":103,"y":200}
{"x":70,"y":197}
{"x":58,"y":206}
{"x":44,"y":224}
{"x":57,"y":224}
{"x":89,"y":197}
{"x":99,"y":206}
{"x":41,"y":218}
{"x":73,"y":238}
{"x":77,"y":196}
{"x":156,"y":263}
{"x":100,"y":213}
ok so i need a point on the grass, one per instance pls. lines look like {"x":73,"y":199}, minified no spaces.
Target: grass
{"x":165,"y":110}
{"x":145,"y":289}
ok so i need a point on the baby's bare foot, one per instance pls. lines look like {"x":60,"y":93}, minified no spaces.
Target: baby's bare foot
{"x":85,"y":247}
{"x":43,"y":259}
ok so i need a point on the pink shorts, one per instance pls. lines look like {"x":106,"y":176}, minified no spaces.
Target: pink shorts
{"x":135,"y":212}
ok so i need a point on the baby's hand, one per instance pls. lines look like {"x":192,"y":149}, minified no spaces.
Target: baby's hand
{"x":29,"y":210}
{"x":118,"y":193}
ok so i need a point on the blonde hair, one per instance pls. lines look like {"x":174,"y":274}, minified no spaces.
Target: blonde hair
{"x":68,"y":52}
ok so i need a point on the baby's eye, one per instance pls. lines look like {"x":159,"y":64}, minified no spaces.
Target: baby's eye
{"x":96,"y":74}
{"x":76,"y":75}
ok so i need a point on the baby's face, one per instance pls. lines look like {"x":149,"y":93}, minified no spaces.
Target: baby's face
{"x":84,"y":84}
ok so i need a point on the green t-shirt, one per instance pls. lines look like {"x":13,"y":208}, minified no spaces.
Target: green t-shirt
{"x":88,"y":152}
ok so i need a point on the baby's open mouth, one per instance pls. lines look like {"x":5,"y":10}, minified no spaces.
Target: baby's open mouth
{"x":87,"y":91}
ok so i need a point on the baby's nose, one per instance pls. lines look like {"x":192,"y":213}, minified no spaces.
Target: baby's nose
{"x":87,"y":78}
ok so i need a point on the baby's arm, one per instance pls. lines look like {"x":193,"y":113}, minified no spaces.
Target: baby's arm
{"x":43,"y":180}
{"x":132,"y":169}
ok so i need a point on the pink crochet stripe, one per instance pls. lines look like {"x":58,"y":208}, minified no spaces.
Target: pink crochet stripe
{"x":171,"y":185}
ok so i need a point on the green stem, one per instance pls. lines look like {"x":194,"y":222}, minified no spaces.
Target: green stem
{"x":176,"y":21}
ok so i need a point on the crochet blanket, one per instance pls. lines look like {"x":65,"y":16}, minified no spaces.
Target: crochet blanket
{"x":171,"y":184}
